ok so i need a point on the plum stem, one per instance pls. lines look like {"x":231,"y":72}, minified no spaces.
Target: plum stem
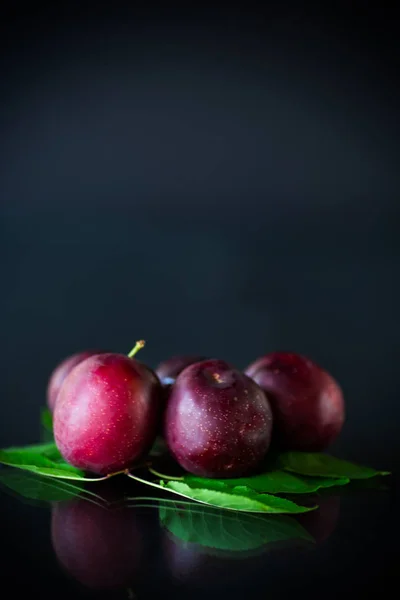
{"x":162,"y":476}
{"x":140,"y":344}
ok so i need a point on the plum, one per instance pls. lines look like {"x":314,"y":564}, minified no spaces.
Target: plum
{"x":307,"y":402}
{"x":168,"y":370}
{"x":61,"y":371}
{"x":102,"y":547}
{"x":218,"y":421}
{"x":107,"y":413}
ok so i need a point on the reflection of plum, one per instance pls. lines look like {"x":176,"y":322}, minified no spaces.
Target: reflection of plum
{"x":211,"y":548}
{"x":193,"y":565}
{"x":321,"y":523}
{"x":198,"y":565}
{"x":103,"y":548}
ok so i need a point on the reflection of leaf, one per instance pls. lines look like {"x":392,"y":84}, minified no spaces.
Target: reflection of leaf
{"x":43,"y":459}
{"x":35,"y":487}
{"x":223,"y":530}
{"x":238,"y":498}
{"x":274,"y":482}
{"x":323,"y":465}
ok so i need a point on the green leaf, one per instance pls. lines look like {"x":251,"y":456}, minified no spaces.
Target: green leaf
{"x":35,"y":487}
{"x":239,"y":498}
{"x":47,"y":449}
{"x":274,"y":482}
{"x":43,"y":459}
{"x":46,"y":419}
{"x":223,"y":530}
{"x":316,"y":464}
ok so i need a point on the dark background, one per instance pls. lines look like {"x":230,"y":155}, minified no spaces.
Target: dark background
{"x":218,"y":182}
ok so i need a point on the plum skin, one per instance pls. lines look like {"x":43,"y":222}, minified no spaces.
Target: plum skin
{"x":307,"y":402}
{"x":168,"y":370}
{"x":107,"y":413}
{"x":61,"y":371}
{"x":218,"y":422}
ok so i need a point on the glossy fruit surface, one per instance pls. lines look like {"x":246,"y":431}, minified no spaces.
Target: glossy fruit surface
{"x":168,"y":370}
{"x":218,"y":422}
{"x":107,"y":413}
{"x":61,"y":371}
{"x":307,"y":402}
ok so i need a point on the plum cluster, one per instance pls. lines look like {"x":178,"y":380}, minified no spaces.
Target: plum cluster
{"x":217,"y":420}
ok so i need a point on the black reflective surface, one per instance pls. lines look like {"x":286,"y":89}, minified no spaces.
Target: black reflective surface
{"x":114,"y":539}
